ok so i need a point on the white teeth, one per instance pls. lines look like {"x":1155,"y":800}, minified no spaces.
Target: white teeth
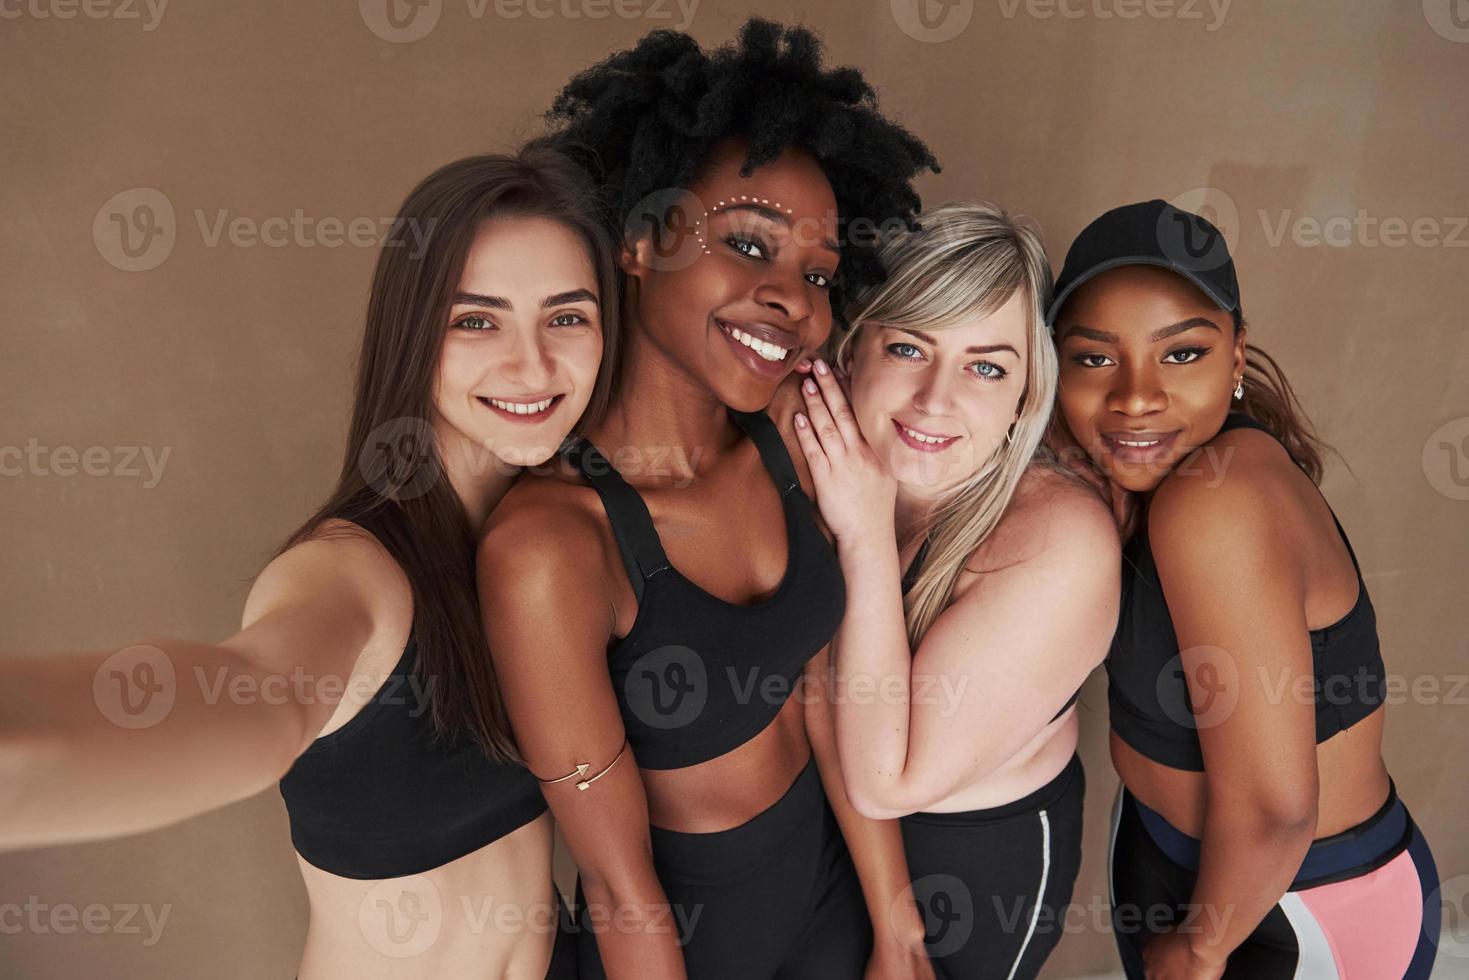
{"x":1138,"y":445}
{"x":521,"y":409}
{"x":920,"y":437}
{"x":764,"y":348}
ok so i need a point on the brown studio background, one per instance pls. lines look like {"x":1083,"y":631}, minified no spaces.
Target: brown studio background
{"x":235,"y":358}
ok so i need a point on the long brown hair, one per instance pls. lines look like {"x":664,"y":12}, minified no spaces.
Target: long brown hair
{"x":402,"y":500}
{"x":1271,"y":400}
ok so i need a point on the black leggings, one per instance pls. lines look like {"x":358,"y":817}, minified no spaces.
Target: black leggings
{"x":993,"y":883}
{"x":775,"y":898}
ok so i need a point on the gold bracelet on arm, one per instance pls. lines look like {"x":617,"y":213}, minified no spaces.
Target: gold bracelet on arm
{"x":581,"y":770}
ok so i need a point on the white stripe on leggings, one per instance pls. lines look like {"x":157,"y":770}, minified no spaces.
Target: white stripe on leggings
{"x":1315,"y":960}
{"x":1040,"y":894}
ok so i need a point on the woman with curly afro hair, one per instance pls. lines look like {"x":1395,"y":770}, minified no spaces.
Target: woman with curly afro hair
{"x":659,"y":607}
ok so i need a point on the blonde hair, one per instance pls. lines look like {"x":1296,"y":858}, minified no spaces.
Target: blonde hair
{"x":966,"y":261}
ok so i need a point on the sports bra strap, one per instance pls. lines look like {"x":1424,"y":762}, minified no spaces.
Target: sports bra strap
{"x":632,"y":525}
{"x":767,"y":439}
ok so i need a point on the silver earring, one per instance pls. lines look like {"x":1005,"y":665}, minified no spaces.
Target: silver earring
{"x":1239,"y":388}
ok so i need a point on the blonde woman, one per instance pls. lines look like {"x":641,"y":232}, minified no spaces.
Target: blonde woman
{"x":955,"y":682}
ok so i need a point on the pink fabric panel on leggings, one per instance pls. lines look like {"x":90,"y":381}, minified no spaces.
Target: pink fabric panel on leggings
{"x":1372,"y":922}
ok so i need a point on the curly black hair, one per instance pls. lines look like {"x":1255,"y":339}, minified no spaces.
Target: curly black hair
{"x":649,"y":118}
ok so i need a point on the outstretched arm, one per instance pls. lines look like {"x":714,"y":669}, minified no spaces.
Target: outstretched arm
{"x":101,"y":744}
{"x":548,"y":622}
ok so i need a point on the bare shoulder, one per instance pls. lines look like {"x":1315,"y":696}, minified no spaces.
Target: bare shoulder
{"x":545,"y":544}
{"x":341,"y":561}
{"x":1052,"y":517}
{"x":1241,"y":482}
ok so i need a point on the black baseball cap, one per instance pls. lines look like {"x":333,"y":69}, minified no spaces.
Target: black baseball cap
{"x":1151,"y":233}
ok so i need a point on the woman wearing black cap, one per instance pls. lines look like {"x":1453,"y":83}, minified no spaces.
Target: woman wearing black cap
{"x":1257,"y":832}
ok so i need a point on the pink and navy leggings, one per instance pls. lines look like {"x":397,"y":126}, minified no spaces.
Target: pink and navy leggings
{"x":1359,"y":908}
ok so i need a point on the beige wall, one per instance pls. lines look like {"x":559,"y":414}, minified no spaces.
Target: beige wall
{"x":234,"y":358}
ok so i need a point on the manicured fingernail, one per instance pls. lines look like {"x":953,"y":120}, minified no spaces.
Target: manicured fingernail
{"x":809,"y":386}
{"x":800,"y":421}
{"x":820,"y":366}
{"x":803,"y":364}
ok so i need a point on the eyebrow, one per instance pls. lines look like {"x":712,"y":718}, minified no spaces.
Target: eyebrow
{"x":982,"y":349}
{"x":776,"y":216}
{"x":1162,"y":333}
{"x":501,"y":303}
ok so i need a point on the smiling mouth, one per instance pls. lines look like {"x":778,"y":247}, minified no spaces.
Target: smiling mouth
{"x":1138,"y":446}
{"x":766,"y":350}
{"x":523,"y":411}
{"x":922,"y":440}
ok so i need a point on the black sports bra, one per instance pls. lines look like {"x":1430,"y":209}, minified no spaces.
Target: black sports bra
{"x":695,"y":676}
{"x":1149,"y":700}
{"x":911,"y":576}
{"x":379,"y":798}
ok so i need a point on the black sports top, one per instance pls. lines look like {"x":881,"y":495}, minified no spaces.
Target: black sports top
{"x":378,"y":798}
{"x":695,"y":676}
{"x":911,"y":576}
{"x":1148,"y":696}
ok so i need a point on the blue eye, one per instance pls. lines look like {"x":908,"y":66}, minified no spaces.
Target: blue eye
{"x":893,"y":349}
{"x":996,"y":373}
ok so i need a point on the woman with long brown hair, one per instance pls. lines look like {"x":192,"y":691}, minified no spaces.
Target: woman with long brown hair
{"x":375,"y":704}
{"x":1256,"y":833}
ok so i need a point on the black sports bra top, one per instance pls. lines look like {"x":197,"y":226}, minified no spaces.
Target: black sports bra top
{"x":695,"y":676}
{"x":1150,"y":705}
{"x":378,"y":798}
{"x":911,"y":576}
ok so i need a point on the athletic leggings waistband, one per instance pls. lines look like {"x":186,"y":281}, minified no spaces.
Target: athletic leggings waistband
{"x":724,"y":853}
{"x":1355,"y":851}
{"x":1031,"y":802}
